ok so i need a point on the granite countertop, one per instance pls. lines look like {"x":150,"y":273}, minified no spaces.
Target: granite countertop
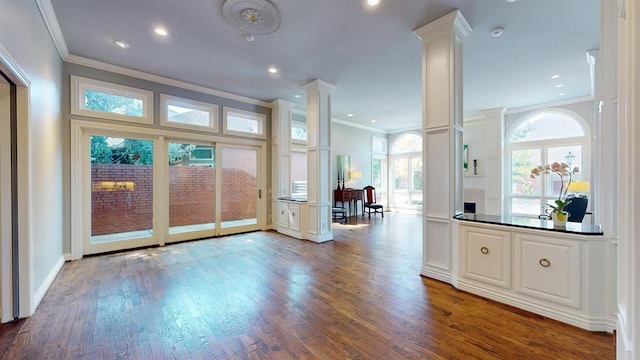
{"x":295,"y":198}
{"x":530,"y":223}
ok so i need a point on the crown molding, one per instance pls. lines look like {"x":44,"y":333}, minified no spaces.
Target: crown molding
{"x":547,"y":105}
{"x":364,"y":127}
{"x":53,"y":26}
{"x":409,"y":128}
{"x":74,"y":59}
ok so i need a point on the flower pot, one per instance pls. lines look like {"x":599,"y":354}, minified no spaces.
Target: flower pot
{"x":560,"y":218}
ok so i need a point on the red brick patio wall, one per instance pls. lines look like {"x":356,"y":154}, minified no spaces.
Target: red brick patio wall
{"x":122,"y":196}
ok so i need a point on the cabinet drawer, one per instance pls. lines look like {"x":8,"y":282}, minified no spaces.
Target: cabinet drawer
{"x":548,"y":269}
{"x":283,"y":215}
{"x":294,"y":217}
{"x":488,"y":256}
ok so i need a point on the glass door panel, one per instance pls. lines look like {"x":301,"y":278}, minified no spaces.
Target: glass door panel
{"x":239,"y":196}
{"x":400,"y":198}
{"x":191,"y":190}
{"x":121,"y":193}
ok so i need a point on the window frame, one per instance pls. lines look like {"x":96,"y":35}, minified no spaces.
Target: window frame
{"x":543,"y":146}
{"x":261,"y":118}
{"x":212,"y":109}
{"x":79,"y":85}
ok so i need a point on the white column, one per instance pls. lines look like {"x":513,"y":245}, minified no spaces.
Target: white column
{"x":628,"y":181}
{"x":442,"y":144}
{"x":319,"y":159}
{"x":280,"y":154}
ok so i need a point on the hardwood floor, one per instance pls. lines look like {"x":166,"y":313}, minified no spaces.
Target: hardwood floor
{"x":266,"y":296}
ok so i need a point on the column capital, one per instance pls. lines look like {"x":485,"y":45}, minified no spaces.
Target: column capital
{"x":318,"y":85}
{"x":283,"y":104}
{"x":452,"y":21}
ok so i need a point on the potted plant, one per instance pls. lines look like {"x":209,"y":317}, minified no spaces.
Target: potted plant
{"x":557,"y":212}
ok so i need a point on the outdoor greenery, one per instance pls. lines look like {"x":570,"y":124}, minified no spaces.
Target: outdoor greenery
{"x":521,"y":162}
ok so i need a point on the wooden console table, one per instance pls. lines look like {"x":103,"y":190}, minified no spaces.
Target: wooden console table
{"x":349,"y":196}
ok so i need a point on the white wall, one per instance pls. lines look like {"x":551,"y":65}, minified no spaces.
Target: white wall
{"x":26,"y":39}
{"x":355,"y":142}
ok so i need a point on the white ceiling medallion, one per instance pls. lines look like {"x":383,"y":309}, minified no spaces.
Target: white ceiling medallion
{"x":252,"y":17}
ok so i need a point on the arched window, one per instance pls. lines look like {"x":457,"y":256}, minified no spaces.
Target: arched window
{"x":406,"y":172}
{"x":541,"y":138}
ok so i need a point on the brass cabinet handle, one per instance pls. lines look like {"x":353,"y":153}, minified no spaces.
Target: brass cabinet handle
{"x":544,"y":263}
{"x":484,"y":250}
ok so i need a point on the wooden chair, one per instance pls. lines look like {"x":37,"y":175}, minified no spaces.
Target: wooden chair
{"x":370,"y":201}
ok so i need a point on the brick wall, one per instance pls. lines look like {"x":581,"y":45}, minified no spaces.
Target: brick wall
{"x":122,"y":196}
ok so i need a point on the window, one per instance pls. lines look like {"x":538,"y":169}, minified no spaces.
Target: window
{"x":406,"y":168}
{"x":110,"y":101}
{"x":298,"y":132}
{"x":188,"y":114}
{"x":379,"y":168}
{"x":244,"y":123}
{"x":538,"y":139}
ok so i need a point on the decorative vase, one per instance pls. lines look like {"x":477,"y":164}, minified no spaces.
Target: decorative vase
{"x":560,"y":218}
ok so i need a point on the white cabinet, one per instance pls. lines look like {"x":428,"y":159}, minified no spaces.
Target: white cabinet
{"x":292,"y":219}
{"x":556,"y":274}
{"x":487,"y":256}
{"x":548,"y":269}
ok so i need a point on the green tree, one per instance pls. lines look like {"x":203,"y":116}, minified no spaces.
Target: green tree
{"x":111,"y":103}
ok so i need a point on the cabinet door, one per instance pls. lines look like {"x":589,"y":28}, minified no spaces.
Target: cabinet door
{"x":294,"y":217}
{"x":548,"y":269}
{"x":487,"y":256}
{"x":283,"y":214}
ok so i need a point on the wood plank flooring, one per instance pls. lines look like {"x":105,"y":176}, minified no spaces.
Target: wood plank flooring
{"x":267,"y":296}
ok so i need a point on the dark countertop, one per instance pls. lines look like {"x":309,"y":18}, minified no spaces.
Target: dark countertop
{"x":529,"y":223}
{"x":296,"y":199}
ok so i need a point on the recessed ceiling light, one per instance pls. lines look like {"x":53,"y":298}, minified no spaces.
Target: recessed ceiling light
{"x":497,"y":31}
{"x":121,"y":44}
{"x":559,"y":85}
{"x":161,"y":31}
{"x":561,"y":94}
{"x":350,"y":115}
{"x":511,"y":1}
{"x":273,"y":70}
{"x":555,"y":76}
{"x":373,"y":121}
{"x":297,"y":96}
{"x":373,"y":2}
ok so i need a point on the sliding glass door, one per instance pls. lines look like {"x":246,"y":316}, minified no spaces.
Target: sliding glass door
{"x":192,"y":191}
{"x":140,"y":189}
{"x":121,"y":186}
{"x":240,"y":192}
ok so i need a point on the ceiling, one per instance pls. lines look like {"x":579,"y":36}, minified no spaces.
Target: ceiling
{"x":370,"y":54}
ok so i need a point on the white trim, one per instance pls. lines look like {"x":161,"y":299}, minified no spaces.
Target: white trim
{"x":46,"y":284}
{"x":25,"y":184}
{"x":577,"y":100}
{"x":51,"y":22}
{"x":261,"y":119}
{"x":212,"y":109}
{"x":358,"y":126}
{"x":74,"y":59}
{"x":80,"y":85}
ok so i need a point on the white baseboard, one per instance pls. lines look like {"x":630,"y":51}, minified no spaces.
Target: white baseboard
{"x":67,"y":257}
{"x":46,"y":284}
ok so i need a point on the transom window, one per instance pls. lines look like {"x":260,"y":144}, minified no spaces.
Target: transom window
{"x":185,"y":113}
{"x":542,"y":138}
{"x":110,"y":101}
{"x":245,"y":123}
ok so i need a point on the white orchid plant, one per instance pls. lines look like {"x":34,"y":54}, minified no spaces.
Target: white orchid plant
{"x":562,"y":170}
